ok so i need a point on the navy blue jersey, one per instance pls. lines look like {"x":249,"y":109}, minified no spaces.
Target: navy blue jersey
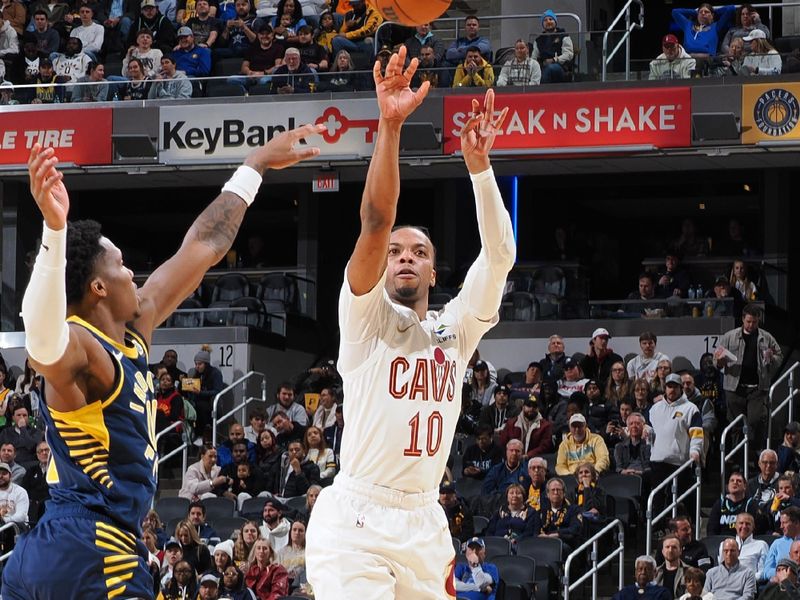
{"x":103,"y":455}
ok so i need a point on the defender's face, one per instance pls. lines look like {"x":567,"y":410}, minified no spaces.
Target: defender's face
{"x":410,"y":269}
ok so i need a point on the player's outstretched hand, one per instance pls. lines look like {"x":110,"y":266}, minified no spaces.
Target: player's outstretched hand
{"x":477,"y":135}
{"x":47,"y":187}
{"x":283,"y":150}
{"x":395,"y":98}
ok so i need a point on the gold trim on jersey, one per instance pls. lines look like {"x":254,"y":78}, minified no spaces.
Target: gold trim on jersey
{"x":118,"y":567}
{"x":138,"y":338}
{"x":84,"y":433}
{"x":129,"y":351}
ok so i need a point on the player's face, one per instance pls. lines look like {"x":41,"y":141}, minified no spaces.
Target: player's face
{"x":411,"y":271}
{"x":113,"y":282}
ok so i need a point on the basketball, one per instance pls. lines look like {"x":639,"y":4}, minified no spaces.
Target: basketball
{"x":410,"y":12}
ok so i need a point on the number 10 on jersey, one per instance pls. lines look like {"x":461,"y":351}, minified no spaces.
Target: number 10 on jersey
{"x":433,"y":433}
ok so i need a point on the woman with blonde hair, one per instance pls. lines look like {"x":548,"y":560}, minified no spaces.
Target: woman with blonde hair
{"x":740,"y":280}
{"x":293,"y":555}
{"x":763,"y":59}
{"x":195,"y":552}
{"x":249,"y":534}
{"x":317,"y":451}
{"x":658,"y":384}
{"x":265,"y":577}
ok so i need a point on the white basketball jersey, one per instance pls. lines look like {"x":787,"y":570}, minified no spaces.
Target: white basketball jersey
{"x":402,"y":387}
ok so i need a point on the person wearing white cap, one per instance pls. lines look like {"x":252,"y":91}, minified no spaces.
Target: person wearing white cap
{"x":13,"y":498}
{"x":597,"y":362}
{"x":581,"y":445}
{"x":763,"y":58}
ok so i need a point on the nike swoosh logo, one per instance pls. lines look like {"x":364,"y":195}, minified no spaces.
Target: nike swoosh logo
{"x":404,"y":330}
{"x":118,"y":355}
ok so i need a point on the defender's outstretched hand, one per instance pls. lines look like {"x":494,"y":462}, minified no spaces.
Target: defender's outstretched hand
{"x":280,"y":152}
{"x":477,"y":135}
{"x":395,"y":98}
{"x":47,"y":187}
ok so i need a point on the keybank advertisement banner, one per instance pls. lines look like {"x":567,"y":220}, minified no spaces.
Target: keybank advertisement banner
{"x":770,"y":112}
{"x":82,"y":137}
{"x":658,"y":116}
{"x":230,"y":131}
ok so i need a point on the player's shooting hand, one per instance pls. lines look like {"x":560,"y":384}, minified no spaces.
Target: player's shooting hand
{"x":395,"y":98}
{"x":477,"y":135}
{"x":47,"y":187}
{"x":281,"y":151}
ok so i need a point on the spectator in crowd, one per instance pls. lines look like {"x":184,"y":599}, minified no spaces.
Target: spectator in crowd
{"x":531,"y":428}
{"x":618,"y":386}
{"x":672,"y":571}
{"x":233,"y":585}
{"x":8,"y":456}
{"x":288,"y":19}
{"x":9,"y":44}
{"x":722,"y":290}
{"x":459,"y":516}
{"x":202,"y":477}
{"x":560,"y":519}
{"x":673,"y":62}
{"x":274,"y":527}
{"x":266,"y":577}
{"x":89,"y":32}
{"x":258,"y":422}
{"x":581,"y":445}
{"x":695,"y":580}
{"x":763,"y":58}
{"x":514,"y":519}
{"x":694,"y":552}
{"x":457,"y":51}
{"x":646,"y":292}
{"x":311,"y":499}
{"x":424,"y":37}
{"x":617,"y":430}
{"x":225,"y":449}
{"x":512,"y":470}
{"x":311,"y":53}
{"x":481,"y":456}
{"x":286,"y":403}
{"x":343,"y":77}
{"x":643,"y":588}
{"x":293,"y":76}
{"x":288,"y":430}
{"x":632,"y":455}
{"x":35,"y":482}
{"x":333,"y":434}
{"x":185,"y":10}
{"x":197,"y":519}
{"x":644,"y":365}
{"x":475,"y":71}
{"x":182,"y":584}
{"x":735,"y":244}
{"x":292,"y":556}
{"x":531,"y":384}
{"x":476,"y":579}
{"x":724,"y":512}
{"x":137,"y":86}
{"x":243,"y":480}
{"x":73,"y":63}
{"x":195,"y":552}
{"x":21,"y":435}
{"x":785,"y":584}
{"x":317,"y":452}
{"x":172,"y":83}
{"x":173,"y":554}
{"x":678,"y":429}
{"x":748,"y":376}
{"x":429,"y":69}
{"x":740,"y":279}
{"x":703,"y":27}
{"x":268,"y":453}
{"x":249,"y":533}
{"x":537,"y":492}
{"x":752,"y":552}
{"x":709,"y":381}
{"x":151,"y":61}
{"x":789,"y":451}
{"x":573,"y":380}
{"x":747,"y":20}
{"x":520,"y":69}
{"x":14,"y":12}
{"x":25,"y":67}
{"x":731,"y":63}
{"x":784,"y":498}
{"x":790,"y":526}
{"x":204,"y":25}
{"x":296,"y":474}
{"x":162,"y":30}
{"x":209,"y":587}
{"x":481,"y":385}
{"x":673,"y":280}
{"x":704,"y":405}
{"x":553,"y":362}
{"x":14,"y":501}
{"x":498,"y":413}
{"x":190,"y":58}
{"x":326,"y":31}
{"x":689,"y":243}
{"x":359,"y":27}
{"x":597,"y":362}
{"x":239,"y":32}
{"x":731,"y":580}
{"x":588,"y":496}
{"x":47,"y":38}
{"x":223,"y":557}
{"x":169,"y":399}
{"x":553,"y":49}
{"x":599,"y":413}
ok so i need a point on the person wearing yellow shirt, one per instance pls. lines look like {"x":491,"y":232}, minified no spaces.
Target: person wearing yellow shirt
{"x":474,"y":71}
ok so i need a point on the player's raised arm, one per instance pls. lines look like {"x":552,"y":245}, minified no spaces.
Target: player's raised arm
{"x":213,"y":232}
{"x":483,"y":286}
{"x":382,"y":188}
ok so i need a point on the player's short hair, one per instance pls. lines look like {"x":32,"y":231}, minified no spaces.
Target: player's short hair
{"x":83,"y":250}
{"x":423,"y":230}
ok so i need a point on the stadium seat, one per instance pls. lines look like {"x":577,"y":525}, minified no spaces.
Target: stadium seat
{"x":277,"y":286}
{"x":172,"y":508}
{"x":547,"y":552}
{"x":712,"y":543}
{"x":225,"y":526}
{"x":217,"y":318}
{"x":218,"y":88}
{"x":276,"y":316}
{"x":227,"y":66}
{"x":230,"y":286}
{"x":519,"y":306}
{"x":469,"y":487}
{"x":480,"y":523}
{"x":518,"y":573}
{"x":187,"y":319}
{"x":253,"y":508}
{"x":297,"y":503}
{"x":623,"y":486}
{"x":549,"y":289}
{"x":496,"y":545}
{"x":219,"y":507}
{"x":255,"y":316}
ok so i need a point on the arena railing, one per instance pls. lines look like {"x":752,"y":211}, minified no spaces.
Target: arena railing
{"x":183,"y":449}
{"x":624,"y":13}
{"x":662,"y":307}
{"x":724,"y":457}
{"x":17,"y":530}
{"x":242,"y":381}
{"x":596,"y":566}
{"x":672,"y":481}
{"x":791,"y":394}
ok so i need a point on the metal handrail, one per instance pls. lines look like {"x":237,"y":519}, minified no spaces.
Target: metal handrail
{"x":626,"y":37}
{"x":673,"y":480}
{"x":16,"y":528}
{"x":242,"y":405}
{"x":619,"y":551}
{"x":724,"y":457}
{"x":789,"y":374}
{"x":183,"y":448}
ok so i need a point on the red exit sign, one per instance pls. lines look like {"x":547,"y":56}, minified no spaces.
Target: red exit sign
{"x":325,"y":181}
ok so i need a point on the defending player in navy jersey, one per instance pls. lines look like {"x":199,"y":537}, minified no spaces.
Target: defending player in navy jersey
{"x":88,"y":329}
{"x":379,"y":532}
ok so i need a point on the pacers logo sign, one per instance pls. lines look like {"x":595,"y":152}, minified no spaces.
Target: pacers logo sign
{"x":770,"y":113}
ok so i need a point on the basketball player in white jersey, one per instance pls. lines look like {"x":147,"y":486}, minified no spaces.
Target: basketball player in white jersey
{"x":378,"y":532}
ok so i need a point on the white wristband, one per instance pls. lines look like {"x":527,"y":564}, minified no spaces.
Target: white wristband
{"x":244,"y":183}
{"x":53,"y":252}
